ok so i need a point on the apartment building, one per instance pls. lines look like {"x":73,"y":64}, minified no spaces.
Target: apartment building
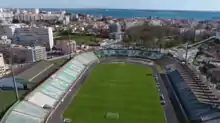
{"x":66,"y":46}
{"x":8,"y":29}
{"x":34,"y":36}
{"x":36,"y":17}
{"x":2,"y":64}
{"x":29,"y":54}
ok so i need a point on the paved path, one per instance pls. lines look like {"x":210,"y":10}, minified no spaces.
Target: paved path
{"x":168,"y":107}
{"x":56,"y":116}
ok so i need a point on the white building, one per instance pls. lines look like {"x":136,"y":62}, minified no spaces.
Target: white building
{"x":36,"y":17}
{"x":115,"y":31}
{"x":37,"y":11}
{"x":66,"y":20}
{"x":6,"y":14}
{"x":33,"y":36}
{"x":155,"y":22}
{"x":5,"y":40}
{"x":2,"y":64}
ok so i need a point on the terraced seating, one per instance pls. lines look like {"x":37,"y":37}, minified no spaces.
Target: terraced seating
{"x":128,"y":52}
{"x":33,"y":110}
{"x":65,"y":77}
{"x":134,"y":53}
{"x":51,"y":91}
{"x":74,"y":67}
{"x":61,"y":85}
{"x":82,"y":59}
{"x":77,"y":64}
{"x":16,"y":117}
{"x":41,"y":100}
{"x":90,"y":56}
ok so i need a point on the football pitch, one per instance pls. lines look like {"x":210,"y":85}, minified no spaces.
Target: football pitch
{"x":117,"y":93}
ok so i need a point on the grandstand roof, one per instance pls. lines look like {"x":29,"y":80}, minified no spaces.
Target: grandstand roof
{"x":199,"y":85}
{"x":199,"y":89}
{"x":36,"y":73}
{"x":193,"y":107}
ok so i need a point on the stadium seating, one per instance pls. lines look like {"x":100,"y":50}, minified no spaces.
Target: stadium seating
{"x":32,"y":109}
{"x":128,"y":53}
{"x":16,"y":117}
{"x":86,"y":58}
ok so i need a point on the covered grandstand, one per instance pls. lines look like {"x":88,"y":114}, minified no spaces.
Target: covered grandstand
{"x":197,"y":103}
{"x":129,"y":53}
{"x":37,"y":105}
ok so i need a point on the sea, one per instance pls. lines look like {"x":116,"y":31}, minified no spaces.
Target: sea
{"x":129,"y":13}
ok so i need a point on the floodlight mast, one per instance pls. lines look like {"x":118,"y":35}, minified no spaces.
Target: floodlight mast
{"x":13,"y":77}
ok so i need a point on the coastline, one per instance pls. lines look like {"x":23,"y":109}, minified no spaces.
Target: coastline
{"x":131,"y":13}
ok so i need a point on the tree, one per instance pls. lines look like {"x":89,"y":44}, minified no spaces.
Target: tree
{"x":15,"y":21}
{"x":151,"y":36}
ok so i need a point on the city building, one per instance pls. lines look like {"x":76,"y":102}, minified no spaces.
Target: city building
{"x":66,"y":46}
{"x":33,"y":36}
{"x":66,"y":20}
{"x":5,"y":40}
{"x":37,"y":11}
{"x":8,"y":29}
{"x":7,"y":16}
{"x":2,"y":64}
{"x":218,"y":34}
{"x":115,"y":31}
{"x":37,"y":17}
{"x":28,"y":54}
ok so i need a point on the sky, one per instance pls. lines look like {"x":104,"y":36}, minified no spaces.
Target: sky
{"x":204,"y":5}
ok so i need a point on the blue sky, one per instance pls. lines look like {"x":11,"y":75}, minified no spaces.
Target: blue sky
{"x":213,"y":5}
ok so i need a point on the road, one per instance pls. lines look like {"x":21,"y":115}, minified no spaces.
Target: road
{"x":168,"y":107}
{"x":203,"y":41}
{"x":56,"y":116}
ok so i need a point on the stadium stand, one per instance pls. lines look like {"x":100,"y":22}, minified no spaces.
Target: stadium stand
{"x":197,"y":111}
{"x":129,"y":53}
{"x":33,"y":109}
{"x":17,"y":117}
{"x":37,"y":105}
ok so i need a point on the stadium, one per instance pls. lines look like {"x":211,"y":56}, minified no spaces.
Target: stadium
{"x":115,"y":85}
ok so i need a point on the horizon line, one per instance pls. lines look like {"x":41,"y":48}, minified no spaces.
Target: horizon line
{"x":139,"y":9}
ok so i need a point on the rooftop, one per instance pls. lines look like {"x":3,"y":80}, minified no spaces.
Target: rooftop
{"x":36,"y":73}
{"x":193,"y":100}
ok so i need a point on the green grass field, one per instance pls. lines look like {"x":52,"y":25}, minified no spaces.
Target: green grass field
{"x":119,"y":88}
{"x":8,"y":98}
{"x":80,"y":38}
